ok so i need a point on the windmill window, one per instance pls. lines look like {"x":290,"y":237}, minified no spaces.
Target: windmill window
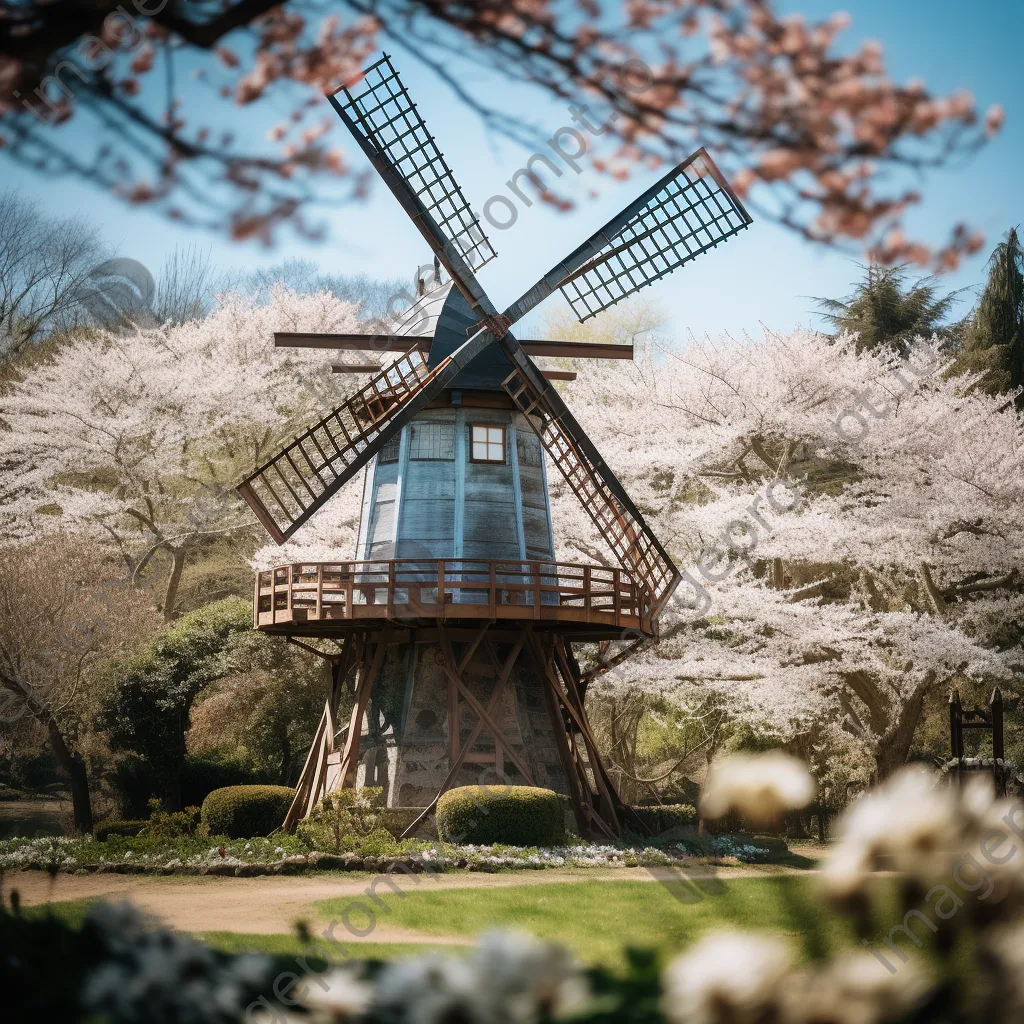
{"x":432,"y":441}
{"x":488,"y":444}
{"x":389,"y":453}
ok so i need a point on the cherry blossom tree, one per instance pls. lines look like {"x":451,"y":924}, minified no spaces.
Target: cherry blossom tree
{"x":850,"y":525}
{"x":820,"y":139}
{"x":138,"y":439}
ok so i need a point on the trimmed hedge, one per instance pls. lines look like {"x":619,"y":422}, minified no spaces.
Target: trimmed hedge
{"x":105,"y":829}
{"x":241,"y":812}
{"x":661,"y":817}
{"x":201,"y":774}
{"x":513,"y":815}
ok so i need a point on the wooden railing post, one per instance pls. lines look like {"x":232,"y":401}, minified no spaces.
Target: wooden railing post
{"x":536,"y":589}
{"x":320,"y":590}
{"x":391,"y":589}
{"x":617,"y":585}
{"x":492,"y":591}
{"x":588,"y":597}
{"x":440,"y":585}
{"x":291,"y":577}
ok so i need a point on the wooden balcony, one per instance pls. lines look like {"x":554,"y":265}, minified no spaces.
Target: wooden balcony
{"x":324,"y":598}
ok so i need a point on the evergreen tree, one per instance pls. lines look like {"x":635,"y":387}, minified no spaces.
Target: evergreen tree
{"x":994,"y":342}
{"x":885,"y":310}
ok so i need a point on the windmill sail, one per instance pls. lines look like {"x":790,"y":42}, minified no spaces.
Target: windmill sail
{"x":691,"y":213}
{"x":285,"y":491}
{"x":617,"y":519}
{"x":690,"y":210}
{"x":385,"y":122}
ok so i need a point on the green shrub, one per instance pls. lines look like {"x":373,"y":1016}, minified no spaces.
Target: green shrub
{"x":6,"y":793}
{"x":202,"y":773}
{"x":170,"y":824}
{"x":513,"y":815}
{"x":379,"y":843}
{"x":105,"y":829}
{"x":342,"y":819}
{"x":241,"y":812}
{"x":661,"y":817}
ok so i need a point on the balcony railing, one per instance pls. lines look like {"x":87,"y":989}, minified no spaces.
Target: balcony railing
{"x":342,"y":593}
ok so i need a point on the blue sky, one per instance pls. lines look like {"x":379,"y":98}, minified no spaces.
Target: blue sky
{"x":765,"y":275}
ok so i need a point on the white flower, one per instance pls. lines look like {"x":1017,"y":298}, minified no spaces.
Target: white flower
{"x":907,"y":824}
{"x":337,"y":995}
{"x":855,"y":988}
{"x":526,"y":978}
{"x":759,"y":787}
{"x":728,"y":977}
{"x":430,"y":990}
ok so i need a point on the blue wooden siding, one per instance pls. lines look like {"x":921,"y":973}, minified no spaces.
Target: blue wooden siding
{"x":433,"y":502}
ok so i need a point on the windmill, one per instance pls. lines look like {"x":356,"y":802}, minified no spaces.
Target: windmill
{"x":455,"y":625}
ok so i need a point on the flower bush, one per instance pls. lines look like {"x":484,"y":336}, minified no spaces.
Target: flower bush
{"x":196,"y":854}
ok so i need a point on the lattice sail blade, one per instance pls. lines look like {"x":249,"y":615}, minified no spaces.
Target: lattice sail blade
{"x":388,"y":126}
{"x":691,"y":212}
{"x":285,"y":491}
{"x":617,"y":519}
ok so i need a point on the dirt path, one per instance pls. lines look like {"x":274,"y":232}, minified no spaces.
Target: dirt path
{"x":270,"y":905}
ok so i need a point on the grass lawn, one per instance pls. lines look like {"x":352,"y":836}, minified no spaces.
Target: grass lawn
{"x":597,"y":919}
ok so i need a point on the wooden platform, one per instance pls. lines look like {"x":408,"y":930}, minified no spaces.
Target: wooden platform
{"x":328,"y":598}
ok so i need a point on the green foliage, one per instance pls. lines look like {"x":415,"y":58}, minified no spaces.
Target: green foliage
{"x":147,"y":699}
{"x":379,"y":843}
{"x":516,"y":815}
{"x":660,"y":818}
{"x":343,"y":818}
{"x":994,"y":342}
{"x":202,"y":773}
{"x":265,"y":707}
{"x":164,"y":824}
{"x":884,"y":311}
{"x":243,"y":811}
{"x":129,"y":829}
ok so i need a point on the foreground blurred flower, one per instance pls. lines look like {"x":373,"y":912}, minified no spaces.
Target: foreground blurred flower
{"x":338,"y":995}
{"x":524,"y":979}
{"x":854,"y":989}
{"x":760,"y":788}
{"x":926,"y":831}
{"x":429,"y":990}
{"x":728,"y":977}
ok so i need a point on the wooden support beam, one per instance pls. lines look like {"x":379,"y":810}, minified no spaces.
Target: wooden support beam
{"x":395,"y":343}
{"x":576,"y":708}
{"x":580,"y":804}
{"x":356,"y":368}
{"x":350,"y":755}
{"x":480,"y":711}
{"x":492,"y":706}
{"x":298,"y":804}
{"x":572,"y":767}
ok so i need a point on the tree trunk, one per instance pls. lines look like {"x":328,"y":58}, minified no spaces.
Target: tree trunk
{"x":74,"y":765}
{"x":173,"y":581}
{"x":894,"y":744}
